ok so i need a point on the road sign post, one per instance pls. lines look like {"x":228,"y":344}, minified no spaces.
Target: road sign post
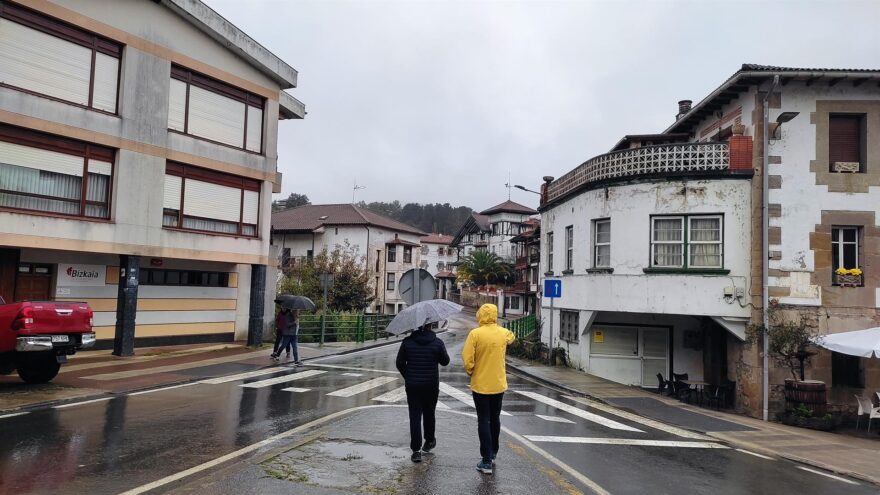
{"x":552,"y":289}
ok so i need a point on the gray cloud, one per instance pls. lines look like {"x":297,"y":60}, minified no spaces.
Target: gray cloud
{"x":438,"y":101}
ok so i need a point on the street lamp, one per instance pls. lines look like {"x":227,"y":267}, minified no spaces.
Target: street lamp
{"x":524,"y":189}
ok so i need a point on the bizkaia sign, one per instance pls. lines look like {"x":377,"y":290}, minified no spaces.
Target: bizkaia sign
{"x":70,"y":275}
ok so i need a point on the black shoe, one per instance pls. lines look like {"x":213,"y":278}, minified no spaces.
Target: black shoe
{"x":429,"y":445}
{"x":416,"y":456}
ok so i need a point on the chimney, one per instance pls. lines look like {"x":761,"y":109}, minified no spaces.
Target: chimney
{"x":684,"y":106}
{"x":547,"y":180}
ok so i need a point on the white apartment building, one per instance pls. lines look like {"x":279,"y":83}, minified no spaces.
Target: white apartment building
{"x":138,"y":152}
{"x":438,"y":258}
{"x":389,"y":248}
{"x":492,"y":230}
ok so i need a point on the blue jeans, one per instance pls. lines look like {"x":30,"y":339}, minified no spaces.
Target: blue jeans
{"x":488,"y":423}
{"x":291,"y":341}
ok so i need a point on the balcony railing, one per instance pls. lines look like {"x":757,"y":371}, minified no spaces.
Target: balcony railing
{"x":522,"y":262}
{"x":644,"y":161}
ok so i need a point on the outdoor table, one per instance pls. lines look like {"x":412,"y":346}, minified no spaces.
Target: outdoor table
{"x":698,"y":386}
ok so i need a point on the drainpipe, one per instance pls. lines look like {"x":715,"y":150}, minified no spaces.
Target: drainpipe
{"x":367,"y":257}
{"x":765,"y":244}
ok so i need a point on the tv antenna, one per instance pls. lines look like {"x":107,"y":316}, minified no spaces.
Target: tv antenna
{"x":508,"y":185}
{"x":355,"y":190}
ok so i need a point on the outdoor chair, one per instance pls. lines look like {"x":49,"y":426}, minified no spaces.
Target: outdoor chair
{"x":661,"y":383}
{"x":866,"y":407}
{"x":718,"y":395}
{"x":681,"y":390}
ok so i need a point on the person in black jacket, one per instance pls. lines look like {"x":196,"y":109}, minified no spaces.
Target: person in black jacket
{"x":417,"y":361}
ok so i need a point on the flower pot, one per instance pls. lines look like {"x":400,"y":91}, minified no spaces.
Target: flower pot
{"x":849,"y":280}
{"x":738,"y":129}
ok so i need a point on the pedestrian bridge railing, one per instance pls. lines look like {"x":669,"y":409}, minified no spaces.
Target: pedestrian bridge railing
{"x":523,"y":327}
{"x":343,"y":327}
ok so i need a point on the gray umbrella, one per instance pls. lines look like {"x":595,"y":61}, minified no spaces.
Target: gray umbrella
{"x":295,"y":302}
{"x":422,"y":313}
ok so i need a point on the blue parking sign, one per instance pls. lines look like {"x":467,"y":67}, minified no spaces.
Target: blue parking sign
{"x":552,"y":288}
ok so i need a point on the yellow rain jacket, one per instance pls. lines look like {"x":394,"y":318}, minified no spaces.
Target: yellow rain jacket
{"x":484,"y":350}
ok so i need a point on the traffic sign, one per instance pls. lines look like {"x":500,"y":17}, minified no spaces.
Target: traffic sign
{"x":552,"y":288}
{"x":417,"y":285}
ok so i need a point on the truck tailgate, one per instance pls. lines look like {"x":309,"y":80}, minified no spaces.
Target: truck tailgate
{"x":60,"y":317}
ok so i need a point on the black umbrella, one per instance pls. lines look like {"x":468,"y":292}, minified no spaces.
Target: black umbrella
{"x":295,"y":302}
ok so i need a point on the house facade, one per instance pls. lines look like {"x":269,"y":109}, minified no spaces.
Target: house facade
{"x":523,"y":297}
{"x":672,"y":236}
{"x":388,"y":248}
{"x":138,"y":147}
{"x":438,"y":258}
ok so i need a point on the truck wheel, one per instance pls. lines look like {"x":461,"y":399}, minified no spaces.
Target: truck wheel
{"x":38,"y":369}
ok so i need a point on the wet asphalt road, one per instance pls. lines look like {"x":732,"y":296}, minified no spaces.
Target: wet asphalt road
{"x":125,"y":442}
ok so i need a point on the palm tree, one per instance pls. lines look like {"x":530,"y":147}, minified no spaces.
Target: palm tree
{"x":482,"y":268}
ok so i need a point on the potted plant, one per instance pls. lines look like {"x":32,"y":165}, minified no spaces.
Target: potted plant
{"x":849,"y":277}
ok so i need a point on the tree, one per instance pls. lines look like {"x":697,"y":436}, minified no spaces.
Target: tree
{"x":437,"y":217}
{"x":483,"y":268}
{"x":789,"y":340}
{"x":292,"y":201}
{"x":351,"y":290}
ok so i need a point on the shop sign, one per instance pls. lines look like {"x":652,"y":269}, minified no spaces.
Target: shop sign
{"x":72,"y":275}
{"x":598,"y":337}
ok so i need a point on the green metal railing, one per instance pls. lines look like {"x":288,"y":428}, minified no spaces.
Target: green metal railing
{"x":523,"y":327}
{"x":343,"y":327}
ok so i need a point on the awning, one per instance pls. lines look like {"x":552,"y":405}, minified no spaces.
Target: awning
{"x":862,"y":343}
{"x":734,"y":325}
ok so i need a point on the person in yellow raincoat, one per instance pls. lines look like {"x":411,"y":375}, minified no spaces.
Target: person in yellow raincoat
{"x":483,"y":357}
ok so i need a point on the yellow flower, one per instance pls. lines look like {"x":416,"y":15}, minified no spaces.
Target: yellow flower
{"x":841,"y":271}
{"x":855,"y":271}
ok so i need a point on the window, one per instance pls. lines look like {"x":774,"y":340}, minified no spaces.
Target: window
{"x":511,"y":302}
{"x":425,"y":250}
{"x":389,"y":281}
{"x":407,"y":254}
{"x":847,"y":371}
{"x":601,"y":243}
{"x":392,"y":253}
{"x":45,"y":56}
{"x":699,"y":247}
{"x":285,"y":257}
{"x":191,"y":278}
{"x":51,"y":174}
{"x":844,"y":249}
{"x":204,"y":107}
{"x":568,"y":325}
{"x":846,"y":141}
{"x":208,"y":201}
{"x":440,"y":251}
{"x":569,"y":248}
{"x":440,"y":266}
{"x":550,"y":251}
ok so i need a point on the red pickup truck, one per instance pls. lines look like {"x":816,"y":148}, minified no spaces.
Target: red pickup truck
{"x":37,"y":336}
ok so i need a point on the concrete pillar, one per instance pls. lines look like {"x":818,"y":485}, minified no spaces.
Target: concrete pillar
{"x":126,"y":305}
{"x":258,"y":304}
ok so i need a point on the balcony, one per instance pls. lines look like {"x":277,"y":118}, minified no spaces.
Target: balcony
{"x":524,"y":287}
{"x":647,"y":161}
{"x":521,"y":262}
{"x":534,"y":258}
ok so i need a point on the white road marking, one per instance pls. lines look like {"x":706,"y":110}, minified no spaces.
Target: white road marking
{"x":362,"y":387}
{"x":441,"y":405}
{"x":555,"y":419}
{"x":311,"y":363}
{"x":462,"y":397}
{"x":626,"y":441}
{"x":251,"y":448}
{"x":394,"y":396}
{"x":283,"y":379}
{"x":657,"y":425}
{"x":827,"y":475}
{"x":12,"y":415}
{"x":162,"y":389}
{"x":63,"y":406}
{"x":295,"y":390}
{"x":352,"y":374}
{"x":762,"y":456}
{"x":242,"y":376}
{"x":578,"y":412}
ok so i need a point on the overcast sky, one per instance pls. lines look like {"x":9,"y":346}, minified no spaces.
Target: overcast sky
{"x":439,"y":101}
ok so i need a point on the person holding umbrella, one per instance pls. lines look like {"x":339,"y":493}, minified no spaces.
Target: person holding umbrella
{"x":287,"y":324}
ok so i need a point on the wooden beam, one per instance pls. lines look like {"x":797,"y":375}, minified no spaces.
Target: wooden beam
{"x":810,"y":81}
{"x":858,"y":82}
{"x":835,"y":81}
{"x":786,"y":80}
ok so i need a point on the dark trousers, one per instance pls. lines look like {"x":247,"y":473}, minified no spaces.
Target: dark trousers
{"x":289,"y":342}
{"x":422,"y":403}
{"x":278,"y":338}
{"x":488,"y":423}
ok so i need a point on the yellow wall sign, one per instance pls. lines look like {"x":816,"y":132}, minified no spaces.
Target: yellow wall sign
{"x":598,"y":336}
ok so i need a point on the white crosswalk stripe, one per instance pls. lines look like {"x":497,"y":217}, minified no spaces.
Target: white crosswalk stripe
{"x":441,"y":405}
{"x":394,"y":396}
{"x":283,"y":379}
{"x":554,"y":419}
{"x":681,"y":432}
{"x":243,"y":376}
{"x":363,"y":387}
{"x":462,"y":397}
{"x":578,"y":412}
{"x":295,"y":390}
{"x":626,"y":441}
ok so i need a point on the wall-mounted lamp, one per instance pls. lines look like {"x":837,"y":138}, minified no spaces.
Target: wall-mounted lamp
{"x":781,"y":119}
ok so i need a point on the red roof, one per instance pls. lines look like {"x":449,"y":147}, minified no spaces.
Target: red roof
{"x":309,"y":217}
{"x":446,"y":275}
{"x":437,"y":239}
{"x":509,"y":207}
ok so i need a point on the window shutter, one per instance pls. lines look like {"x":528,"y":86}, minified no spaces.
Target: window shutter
{"x":177,"y":105}
{"x":254,"y":129}
{"x":45,"y":64}
{"x":171,"y":199}
{"x":216,"y":117}
{"x":844,"y":132}
{"x":99,"y":167}
{"x":251,"y":211}
{"x":40,"y":159}
{"x":106,"y":77}
{"x":206,"y":200}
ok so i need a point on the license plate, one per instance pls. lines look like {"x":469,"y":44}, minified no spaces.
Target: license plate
{"x":60,"y":338}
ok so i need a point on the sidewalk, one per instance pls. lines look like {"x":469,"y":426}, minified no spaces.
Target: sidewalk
{"x":93,"y":374}
{"x":850,"y":456}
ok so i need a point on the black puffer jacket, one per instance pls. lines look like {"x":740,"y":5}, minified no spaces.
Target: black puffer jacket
{"x":418,"y":357}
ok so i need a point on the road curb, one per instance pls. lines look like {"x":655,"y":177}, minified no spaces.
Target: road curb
{"x":727,"y":441}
